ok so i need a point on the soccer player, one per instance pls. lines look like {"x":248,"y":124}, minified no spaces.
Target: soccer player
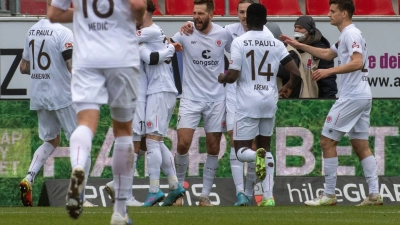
{"x":202,"y":96}
{"x":255,"y":59}
{"x":47,"y":57}
{"x":243,"y":194}
{"x":161,"y":98}
{"x":351,"y":112}
{"x":105,"y":72}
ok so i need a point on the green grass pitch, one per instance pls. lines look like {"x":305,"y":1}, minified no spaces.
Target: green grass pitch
{"x":211,"y":215}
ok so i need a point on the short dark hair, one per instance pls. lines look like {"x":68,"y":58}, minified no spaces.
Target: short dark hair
{"x":151,"y":7}
{"x":210,"y":4}
{"x":244,"y":1}
{"x":256,"y":16}
{"x":344,"y":5}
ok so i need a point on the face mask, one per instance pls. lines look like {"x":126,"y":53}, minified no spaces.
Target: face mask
{"x":300,"y":36}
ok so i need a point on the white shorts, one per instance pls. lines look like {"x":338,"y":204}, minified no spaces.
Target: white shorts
{"x":159,"y":109}
{"x":348,"y":116}
{"x":138,"y":123}
{"x":190,"y":113}
{"x":230,"y":109}
{"x":247,"y":128}
{"x":51,"y":122}
{"x":117,"y":87}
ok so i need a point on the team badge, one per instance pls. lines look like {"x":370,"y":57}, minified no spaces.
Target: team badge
{"x":309,"y":62}
{"x":68,"y":45}
{"x":230,"y":61}
{"x":328,"y":119}
{"x":218,"y":43}
{"x":149,"y":124}
{"x":223,"y":124}
{"x":139,"y":33}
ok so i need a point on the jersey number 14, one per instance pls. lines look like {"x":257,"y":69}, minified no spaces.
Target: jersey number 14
{"x":268,"y":74}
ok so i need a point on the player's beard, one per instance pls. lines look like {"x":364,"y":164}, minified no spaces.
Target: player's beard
{"x":201,"y":25}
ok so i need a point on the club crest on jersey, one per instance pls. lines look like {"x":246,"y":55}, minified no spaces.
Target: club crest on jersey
{"x":328,"y":119}
{"x":218,"y":43}
{"x":68,"y":45}
{"x":230,"y":61}
{"x":355,"y":45}
{"x":309,"y":62}
{"x":149,"y":124}
{"x":139,"y":33}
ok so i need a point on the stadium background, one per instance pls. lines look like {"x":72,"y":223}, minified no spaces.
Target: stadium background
{"x":18,"y":125}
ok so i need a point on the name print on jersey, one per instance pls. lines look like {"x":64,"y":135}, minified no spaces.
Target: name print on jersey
{"x":98,"y":26}
{"x":258,"y":43}
{"x":40,"y":32}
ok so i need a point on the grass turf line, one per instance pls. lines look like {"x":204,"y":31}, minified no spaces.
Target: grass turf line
{"x":211,"y":215}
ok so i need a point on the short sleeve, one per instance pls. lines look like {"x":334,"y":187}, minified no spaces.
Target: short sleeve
{"x":66,"y":40}
{"x":61,"y":4}
{"x":236,"y":57}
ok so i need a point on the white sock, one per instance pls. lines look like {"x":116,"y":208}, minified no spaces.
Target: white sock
{"x":39,"y":159}
{"x":181,"y":164}
{"x":122,"y":167}
{"x":81,"y":144}
{"x":268,"y":182}
{"x":330,"y":170}
{"x":237,"y":171}
{"x":135,"y":157}
{"x":168,"y":166}
{"x":209,"y":171}
{"x":369,"y":167}
{"x":246,"y":155}
{"x":251,"y":179}
{"x":154,"y":161}
{"x":88,"y":164}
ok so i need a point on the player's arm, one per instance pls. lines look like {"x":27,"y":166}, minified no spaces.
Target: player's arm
{"x":290,"y":66}
{"x":322,"y":53}
{"x":138,"y":8}
{"x":67,"y":56}
{"x":230,"y":77}
{"x":25,"y":67}
{"x":154,"y":58}
{"x":59,"y":11}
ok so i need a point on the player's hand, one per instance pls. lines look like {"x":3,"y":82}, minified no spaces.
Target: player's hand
{"x":178,"y":47}
{"x":187,"y":29}
{"x":221,"y":78}
{"x":320,"y":74}
{"x":289,"y":40}
{"x":285,"y":92}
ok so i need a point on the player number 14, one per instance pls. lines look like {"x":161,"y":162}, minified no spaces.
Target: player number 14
{"x":268,"y":74}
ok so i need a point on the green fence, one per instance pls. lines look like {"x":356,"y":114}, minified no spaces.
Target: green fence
{"x":298,"y":124}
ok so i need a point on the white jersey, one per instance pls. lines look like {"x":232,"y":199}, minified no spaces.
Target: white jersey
{"x":105,"y":33}
{"x":50,"y":78}
{"x":237,"y":30}
{"x":142,"y":84}
{"x":159,"y":76}
{"x":257,"y":56}
{"x":354,"y":85}
{"x":203,"y":61}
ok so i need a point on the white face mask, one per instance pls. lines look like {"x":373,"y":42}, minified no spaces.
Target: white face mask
{"x":300,"y":36}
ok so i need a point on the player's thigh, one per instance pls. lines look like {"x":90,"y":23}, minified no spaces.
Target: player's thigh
{"x":360,"y":129}
{"x":245,"y":128}
{"x":189,"y":113}
{"x":138,"y":122}
{"x":49,"y":126}
{"x":122,"y":86}
{"x":68,"y":119}
{"x":88,"y":86}
{"x":160,"y":107}
{"x":214,"y":117}
{"x":230,"y":109}
{"x":266,"y":126}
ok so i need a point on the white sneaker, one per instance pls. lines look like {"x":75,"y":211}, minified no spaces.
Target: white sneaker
{"x":371,"y":201}
{"x":88,"y":203}
{"x":117,"y":219}
{"x":109,"y":188}
{"x":133,"y":202}
{"x":322,"y":200}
